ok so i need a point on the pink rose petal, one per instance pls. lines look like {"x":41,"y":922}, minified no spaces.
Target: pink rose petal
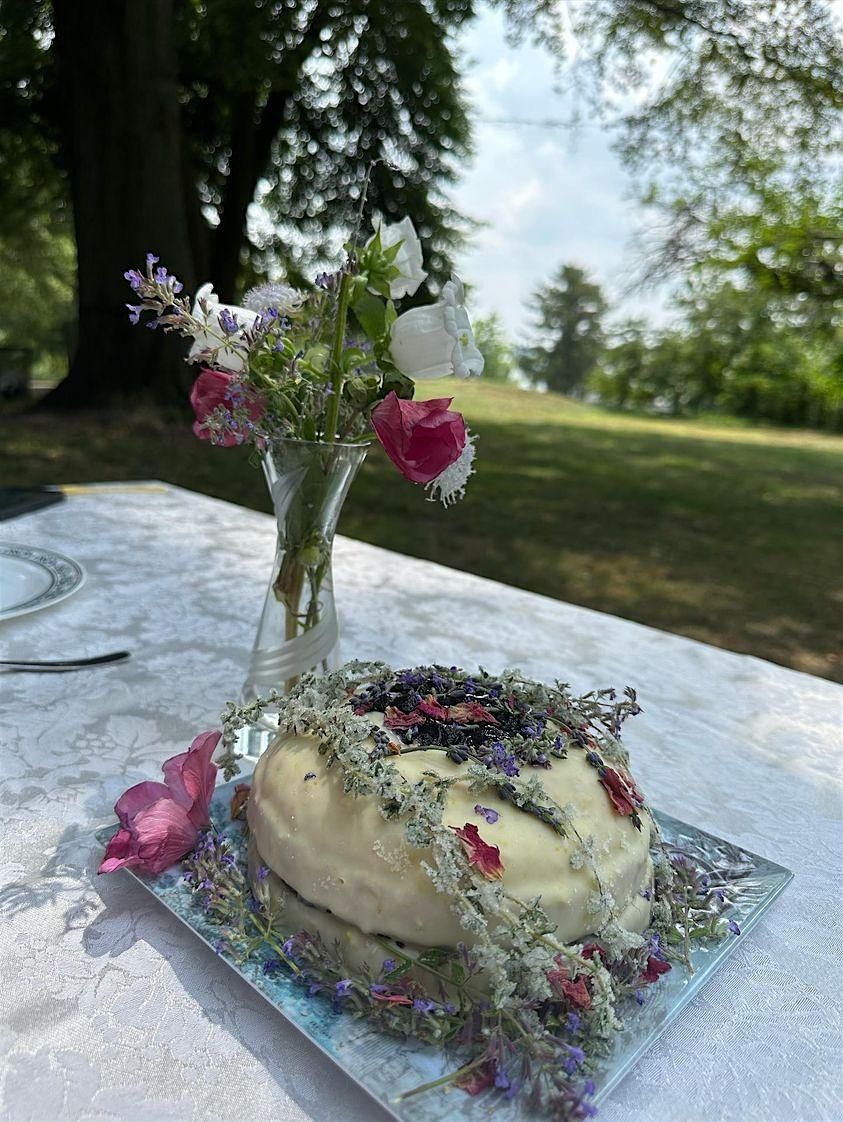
{"x":191,"y":776}
{"x":137,"y":798}
{"x":485,"y":857}
{"x":163,"y":834}
{"x":118,"y":853}
{"x":159,"y":822}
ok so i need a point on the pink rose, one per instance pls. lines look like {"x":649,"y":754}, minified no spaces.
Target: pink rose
{"x":214,"y":388}
{"x":160,"y":822}
{"x":422,"y":438}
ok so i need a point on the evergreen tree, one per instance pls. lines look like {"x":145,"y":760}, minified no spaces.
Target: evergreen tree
{"x":568,"y":332}
{"x":495,"y":347}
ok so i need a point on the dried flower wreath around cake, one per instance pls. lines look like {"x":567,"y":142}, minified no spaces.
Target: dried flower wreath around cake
{"x":464,"y":859}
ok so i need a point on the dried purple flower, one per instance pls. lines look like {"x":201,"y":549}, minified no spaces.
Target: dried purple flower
{"x":228,"y":322}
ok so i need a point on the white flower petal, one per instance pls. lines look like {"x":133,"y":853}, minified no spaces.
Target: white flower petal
{"x":207,"y":346}
{"x":436,"y":340}
{"x":409,"y":259}
{"x":449,"y":485}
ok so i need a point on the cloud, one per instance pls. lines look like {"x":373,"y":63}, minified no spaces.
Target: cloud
{"x":545,"y":196}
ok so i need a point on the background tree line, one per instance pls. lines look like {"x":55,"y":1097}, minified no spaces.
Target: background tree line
{"x":740,"y":341}
{"x":232,"y":137}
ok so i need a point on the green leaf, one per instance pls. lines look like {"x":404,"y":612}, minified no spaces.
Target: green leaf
{"x":353,"y":357}
{"x":392,"y":252}
{"x":394,"y":380}
{"x":433,"y":956}
{"x":371,"y":315}
{"x":457,"y":973}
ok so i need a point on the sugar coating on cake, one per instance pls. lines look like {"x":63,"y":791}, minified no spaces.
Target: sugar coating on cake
{"x":583,"y":847}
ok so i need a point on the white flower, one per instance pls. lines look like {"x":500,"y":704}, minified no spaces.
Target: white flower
{"x":408,"y":259}
{"x":436,"y":340}
{"x":283,"y":297}
{"x":449,"y":485}
{"x":218,"y":318}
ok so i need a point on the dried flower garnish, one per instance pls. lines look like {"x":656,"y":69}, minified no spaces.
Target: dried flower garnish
{"x":625,"y":797}
{"x":485,"y":857}
{"x":239,"y":800}
{"x":575,"y":991}
{"x":395,"y":719}
{"x":655,"y":968}
{"x":544,"y":1010}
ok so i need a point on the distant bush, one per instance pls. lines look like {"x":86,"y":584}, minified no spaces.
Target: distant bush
{"x":736,"y":352}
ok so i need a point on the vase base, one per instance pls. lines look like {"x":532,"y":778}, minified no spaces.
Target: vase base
{"x":253,"y":740}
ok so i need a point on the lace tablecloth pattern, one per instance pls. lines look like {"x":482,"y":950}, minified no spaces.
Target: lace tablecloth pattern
{"x":111,"y":1011}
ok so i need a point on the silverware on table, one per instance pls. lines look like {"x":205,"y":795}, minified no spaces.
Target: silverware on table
{"x":54,"y":666}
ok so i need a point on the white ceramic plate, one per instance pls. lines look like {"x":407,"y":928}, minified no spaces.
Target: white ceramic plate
{"x":32,"y":578}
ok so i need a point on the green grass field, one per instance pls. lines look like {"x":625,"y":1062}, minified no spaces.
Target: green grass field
{"x":726,"y":533}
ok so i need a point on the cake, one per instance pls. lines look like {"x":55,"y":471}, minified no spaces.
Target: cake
{"x":394,"y":807}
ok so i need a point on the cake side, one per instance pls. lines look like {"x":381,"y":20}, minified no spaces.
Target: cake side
{"x":338,"y":852}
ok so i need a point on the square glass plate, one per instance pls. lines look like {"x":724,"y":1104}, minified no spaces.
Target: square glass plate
{"x":385,"y":1066}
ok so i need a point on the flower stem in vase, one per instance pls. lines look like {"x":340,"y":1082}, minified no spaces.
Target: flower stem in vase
{"x":336,"y":352}
{"x":298,"y":631}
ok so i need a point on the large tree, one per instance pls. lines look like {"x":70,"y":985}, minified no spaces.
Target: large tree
{"x":713,"y":103}
{"x":164,"y":120}
{"x":568,"y":331}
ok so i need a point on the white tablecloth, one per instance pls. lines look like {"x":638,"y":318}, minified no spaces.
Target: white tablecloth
{"x":110,"y":1010}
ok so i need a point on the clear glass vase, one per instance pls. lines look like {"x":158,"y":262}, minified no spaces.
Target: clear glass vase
{"x":299,"y":630}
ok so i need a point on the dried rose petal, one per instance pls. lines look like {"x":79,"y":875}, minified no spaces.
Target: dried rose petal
{"x":591,"y":949}
{"x":395,"y":718}
{"x":575,"y":991}
{"x":431,"y":708}
{"x":473,"y":1082}
{"x":485,"y":857}
{"x":393,"y":998}
{"x":619,"y":791}
{"x":655,"y":968}
{"x":471,"y":712}
{"x":239,"y":800}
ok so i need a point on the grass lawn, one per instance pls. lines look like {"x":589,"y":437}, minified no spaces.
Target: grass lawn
{"x":726,"y":533}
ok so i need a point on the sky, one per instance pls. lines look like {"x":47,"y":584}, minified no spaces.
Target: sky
{"x":547,"y":196}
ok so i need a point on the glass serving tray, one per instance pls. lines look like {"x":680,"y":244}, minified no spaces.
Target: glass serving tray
{"x":385,"y":1067}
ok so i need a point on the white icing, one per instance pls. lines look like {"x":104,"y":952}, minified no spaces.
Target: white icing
{"x":338,"y":852}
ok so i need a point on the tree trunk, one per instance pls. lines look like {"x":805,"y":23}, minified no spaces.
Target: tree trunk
{"x":124,"y":151}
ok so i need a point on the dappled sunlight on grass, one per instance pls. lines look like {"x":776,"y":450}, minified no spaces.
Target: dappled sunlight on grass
{"x":728,"y":534}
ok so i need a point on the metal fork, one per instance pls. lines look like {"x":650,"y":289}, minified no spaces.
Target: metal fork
{"x":61,"y":666}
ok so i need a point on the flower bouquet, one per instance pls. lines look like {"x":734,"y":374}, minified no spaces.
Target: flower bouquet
{"x":310,"y":378}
